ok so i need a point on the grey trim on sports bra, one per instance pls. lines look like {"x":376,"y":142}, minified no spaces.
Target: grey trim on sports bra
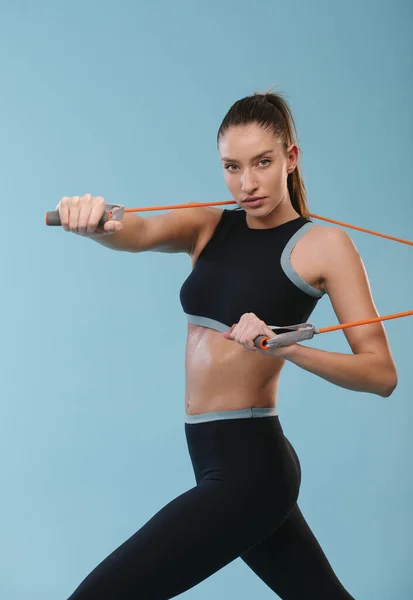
{"x":288,"y":268}
{"x":207,"y":322}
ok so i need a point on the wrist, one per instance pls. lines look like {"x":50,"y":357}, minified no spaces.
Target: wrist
{"x":289,"y":352}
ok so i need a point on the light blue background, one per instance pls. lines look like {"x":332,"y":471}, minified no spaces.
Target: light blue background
{"x":123,"y":99}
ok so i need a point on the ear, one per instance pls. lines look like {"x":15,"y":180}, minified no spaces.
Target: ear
{"x":292,"y":157}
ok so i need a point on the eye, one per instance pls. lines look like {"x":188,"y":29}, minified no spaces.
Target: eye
{"x":228,"y":167}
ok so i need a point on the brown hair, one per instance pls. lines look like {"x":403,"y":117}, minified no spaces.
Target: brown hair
{"x":271,"y":111}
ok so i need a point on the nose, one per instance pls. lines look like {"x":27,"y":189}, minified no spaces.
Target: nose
{"x":248,"y":182}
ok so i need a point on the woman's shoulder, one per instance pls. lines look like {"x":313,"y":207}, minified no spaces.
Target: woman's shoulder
{"x":321,"y":242}
{"x":329,"y":236}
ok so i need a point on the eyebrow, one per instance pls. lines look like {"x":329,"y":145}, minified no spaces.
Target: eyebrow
{"x":253,"y":158}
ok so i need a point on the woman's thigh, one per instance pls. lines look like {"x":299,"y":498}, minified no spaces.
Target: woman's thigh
{"x":292,"y":563}
{"x":189,"y":539}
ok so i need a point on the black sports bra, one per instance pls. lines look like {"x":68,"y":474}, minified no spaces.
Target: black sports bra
{"x":244,"y":270}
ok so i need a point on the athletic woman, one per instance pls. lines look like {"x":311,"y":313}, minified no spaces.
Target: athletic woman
{"x":264,"y":263}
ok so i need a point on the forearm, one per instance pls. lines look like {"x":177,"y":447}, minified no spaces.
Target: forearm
{"x":357,"y":372}
{"x":128,"y":238}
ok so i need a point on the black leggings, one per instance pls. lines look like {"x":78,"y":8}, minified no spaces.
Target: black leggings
{"x":244,"y":505}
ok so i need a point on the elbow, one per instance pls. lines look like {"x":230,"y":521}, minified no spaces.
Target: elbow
{"x":389,"y":385}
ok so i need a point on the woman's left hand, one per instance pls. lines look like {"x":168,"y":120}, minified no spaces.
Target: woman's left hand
{"x":247,"y":329}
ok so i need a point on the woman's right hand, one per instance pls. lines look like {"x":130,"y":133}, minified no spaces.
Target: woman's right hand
{"x":81,"y":215}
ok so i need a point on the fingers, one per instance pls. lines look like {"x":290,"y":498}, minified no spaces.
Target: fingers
{"x":246,"y":330}
{"x":97,"y":207}
{"x":112,"y":226}
{"x":82,"y":214}
{"x":83,"y":224}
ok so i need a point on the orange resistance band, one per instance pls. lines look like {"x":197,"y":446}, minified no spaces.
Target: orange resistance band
{"x":198,"y":204}
{"x":365,"y":322}
{"x":323,"y":329}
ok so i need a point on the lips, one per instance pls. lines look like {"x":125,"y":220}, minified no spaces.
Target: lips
{"x":257,"y":201}
{"x":254,"y":198}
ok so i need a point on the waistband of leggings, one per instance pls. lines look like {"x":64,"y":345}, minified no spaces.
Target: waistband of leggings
{"x":243,"y":413}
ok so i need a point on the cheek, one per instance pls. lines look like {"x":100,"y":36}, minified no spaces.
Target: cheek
{"x":278,"y":177}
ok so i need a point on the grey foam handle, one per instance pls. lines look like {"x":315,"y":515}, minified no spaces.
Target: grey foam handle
{"x":53,"y":216}
{"x":53,"y":219}
{"x":257,"y":341}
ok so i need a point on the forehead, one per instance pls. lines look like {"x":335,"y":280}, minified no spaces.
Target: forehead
{"x":245,"y":141}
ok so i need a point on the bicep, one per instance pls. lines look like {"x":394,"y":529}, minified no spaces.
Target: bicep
{"x":175,"y":230}
{"x":347,"y":285}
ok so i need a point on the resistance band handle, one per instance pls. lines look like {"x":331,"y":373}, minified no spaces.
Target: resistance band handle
{"x":291,"y":334}
{"x":113,"y":211}
{"x":260,"y":342}
{"x":53,"y":219}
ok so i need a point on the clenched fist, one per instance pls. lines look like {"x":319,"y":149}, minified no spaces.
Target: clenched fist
{"x":81,"y":215}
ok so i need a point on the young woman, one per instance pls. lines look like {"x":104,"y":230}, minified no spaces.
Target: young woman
{"x":263,"y":264}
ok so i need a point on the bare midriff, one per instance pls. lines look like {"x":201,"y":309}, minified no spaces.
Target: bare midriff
{"x":223,"y":375}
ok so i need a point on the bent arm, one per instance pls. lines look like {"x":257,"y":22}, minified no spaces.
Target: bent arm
{"x":371,"y":367}
{"x":363,"y":372}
